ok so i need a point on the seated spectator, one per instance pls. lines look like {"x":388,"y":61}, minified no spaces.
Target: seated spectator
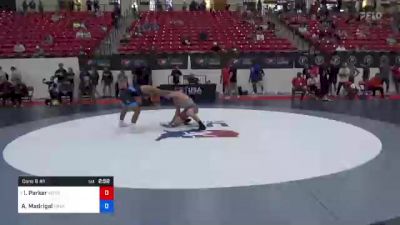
{"x":56,"y":17}
{"x":19,"y":48}
{"x":360,"y":34}
{"x":65,"y":88}
{"x":299,"y":84}
{"x":83,"y":34}
{"x":48,"y":40}
{"x":391,"y":41}
{"x":374,"y":84}
{"x":16,"y":76}
{"x":215,"y":47}
{"x":6,"y":91}
{"x":39,"y":52}
{"x":185,"y":41}
{"x":20,"y":90}
{"x":340,"y":48}
{"x":303,"y":29}
{"x":259,"y":37}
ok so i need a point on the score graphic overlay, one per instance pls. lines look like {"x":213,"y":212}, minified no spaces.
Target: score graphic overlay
{"x":65,"y":194}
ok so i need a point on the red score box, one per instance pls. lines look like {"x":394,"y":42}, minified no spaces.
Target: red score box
{"x":106,"y":193}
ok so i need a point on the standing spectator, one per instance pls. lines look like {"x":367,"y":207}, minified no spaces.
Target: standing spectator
{"x":299,"y":84}
{"x":203,"y":6}
{"x":16,"y":76}
{"x":384,"y":73}
{"x":96,"y":5}
{"x":176,"y":73}
{"x":85,"y":85}
{"x":107,"y":81}
{"x":94,"y":79}
{"x":354,"y":72}
{"x":193,"y":6}
{"x":225,"y":80}
{"x":19,"y":48}
{"x":396,"y":77}
{"x":122,"y":82}
{"x":32,"y":5}
{"x":25,"y":7}
{"x":78,"y":5}
{"x":60,"y":73}
{"x":232,"y":80}
{"x":3,"y":75}
{"x":184,"y":6}
{"x":71,"y":77}
{"x":324,"y":82}
{"x":40,"y":7}
{"x":333,"y":73}
{"x":71,"y":5}
{"x":89,"y":5}
{"x":256,"y":78}
{"x":344,"y":74}
{"x":365,"y":72}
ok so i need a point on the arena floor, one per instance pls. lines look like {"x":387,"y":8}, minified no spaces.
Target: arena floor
{"x":260,"y":162}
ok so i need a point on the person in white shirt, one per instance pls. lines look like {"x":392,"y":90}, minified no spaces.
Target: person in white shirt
{"x":340,"y":48}
{"x":19,"y":48}
{"x":343,"y":75}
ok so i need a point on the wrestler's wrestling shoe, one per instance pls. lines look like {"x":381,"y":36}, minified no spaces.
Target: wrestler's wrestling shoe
{"x":201,"y":126}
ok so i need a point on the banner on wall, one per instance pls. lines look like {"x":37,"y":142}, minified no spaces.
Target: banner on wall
{"x":240,"y":61}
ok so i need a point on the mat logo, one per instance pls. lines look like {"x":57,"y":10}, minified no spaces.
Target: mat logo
{"x":194,"y":133}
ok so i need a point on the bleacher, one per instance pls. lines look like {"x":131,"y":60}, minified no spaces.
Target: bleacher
{"x":373,"y":37}
{"x":31,"y":29}
{"x":224,"y":27}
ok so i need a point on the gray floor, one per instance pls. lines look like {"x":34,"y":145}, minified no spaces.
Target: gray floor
{"x":363,"y":195}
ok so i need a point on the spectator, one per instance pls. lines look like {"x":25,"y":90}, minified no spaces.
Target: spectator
{"x":89,"y":5}
{"x":20,"y":90}
{"x":107,"y":80}
{"x":225,"y":80}
{"x":65,"y":88}
{"x":25,"y":7}
{"x":39,"y":52}
{"x":351,"y":88}
{"x":202,"y":6}
{"x":6,"y":91}
{"x":396,"y":77}
{"x":41,"y":7}
{"x":85,"y":85}
{"x":259,"y":36}
{"x":83,"y":34}
{"x":16,"y":76}
{"x":384,"y":73}
{"x":185,"y":40}
{"x":71,"y":5}
{"x":19,"y":48}
{"x":344,"y":74}
{"x":32,"y":5}
{"x":324,"y":82}
{"x":3,"y":75}
{"x":313,"y":86}
{"x":375,"y":84}
{"x":303,"y":29}
{"x":94,"y":80}
{"x":256,"y":78}
{"x":60,"y":73}
{"x":96,"y":5}
{"x":122,"y":82}
{"x":193,"y":6}
{"x":299,"y":84}
{"x":203,"y":36}
{"x":333,"y":73}
{"x":366,"y":71}
{"x":215,"y":47}
{"x":232,"y":80}
{"x":340,"y":48}
{"x":354,"y":72}
{"x":71,"y":76}
{"x":184,"y":6}
{"x":56,"y":17}
{"x":176,"y":73}
{"x":48,"y":40}
{"x":78,"y":5}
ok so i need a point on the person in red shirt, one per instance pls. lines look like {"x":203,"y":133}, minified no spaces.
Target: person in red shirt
{"x":396,"y":78}
{"x":225,"y":79}
{"x":299,"y":84}
{"x":375,"y":84}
